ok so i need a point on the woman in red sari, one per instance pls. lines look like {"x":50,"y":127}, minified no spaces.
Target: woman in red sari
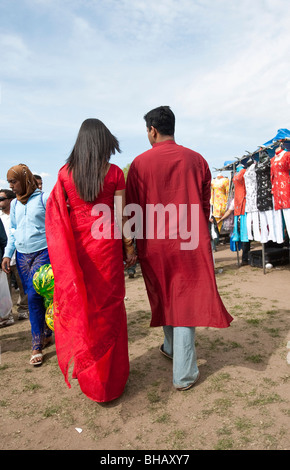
{"x":89,"y":316}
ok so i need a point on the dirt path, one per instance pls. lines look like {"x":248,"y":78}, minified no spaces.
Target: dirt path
{"x":240,"y":402}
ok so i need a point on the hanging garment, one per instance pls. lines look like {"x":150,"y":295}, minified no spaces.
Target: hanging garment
{"x":280,"y":166}
{"x":240,"y":192}
{"x":251,"y":203}
{"x":219,"y":196}
{"x":267,"y":226}
{"x":240,"y":232}
{"x":286,"y":215}
{"x":278,"y":226}
{"x":228,"y":223}
{"x":251,"y":189}
{"x":253,"y":226}
{"x":264,"y":185}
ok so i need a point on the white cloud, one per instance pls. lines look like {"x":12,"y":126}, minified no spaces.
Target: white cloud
{"x":222,"y":66}
{"x":4,"y":184}
{"x":13,"y":54}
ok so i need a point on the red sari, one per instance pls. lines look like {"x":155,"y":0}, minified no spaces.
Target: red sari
{"x":180,"y":282}
{"x":90,"y":318}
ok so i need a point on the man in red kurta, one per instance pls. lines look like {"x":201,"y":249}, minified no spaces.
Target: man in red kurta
{"x":173,"y":244}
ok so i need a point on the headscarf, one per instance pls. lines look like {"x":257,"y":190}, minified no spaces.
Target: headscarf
{"x":28,"y":182}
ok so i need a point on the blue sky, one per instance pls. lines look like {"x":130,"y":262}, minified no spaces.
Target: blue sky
{"x":222,"y":65}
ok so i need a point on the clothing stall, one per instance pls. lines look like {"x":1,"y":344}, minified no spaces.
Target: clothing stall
{"x":259,"y":192}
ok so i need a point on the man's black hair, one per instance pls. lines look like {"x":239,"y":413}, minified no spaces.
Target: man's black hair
{"x":162,"y":118}
{"x":9,"y":194}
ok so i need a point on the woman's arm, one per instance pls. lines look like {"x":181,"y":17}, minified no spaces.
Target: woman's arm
{"x":128,"y":245}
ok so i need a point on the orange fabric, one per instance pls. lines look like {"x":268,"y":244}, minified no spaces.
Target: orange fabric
{"x":240,"y":192}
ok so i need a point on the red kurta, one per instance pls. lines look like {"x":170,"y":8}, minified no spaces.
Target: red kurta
{"x":240,"y":192}
{"x":90,"y":323}
{"x":180,"y":283}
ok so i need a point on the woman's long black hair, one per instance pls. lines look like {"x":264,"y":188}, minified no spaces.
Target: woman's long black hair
{"x":89,"y":158}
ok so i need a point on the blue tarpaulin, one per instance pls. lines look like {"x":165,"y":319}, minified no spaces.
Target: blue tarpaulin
{"x":281,"y":134}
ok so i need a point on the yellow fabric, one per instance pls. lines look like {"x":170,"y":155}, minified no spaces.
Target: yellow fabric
{"x":219,"y":195}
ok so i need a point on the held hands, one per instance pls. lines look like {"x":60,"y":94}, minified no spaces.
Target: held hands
{"x":6,"y":265}
{"x":130,"y":256}
{"x":130,"y":261}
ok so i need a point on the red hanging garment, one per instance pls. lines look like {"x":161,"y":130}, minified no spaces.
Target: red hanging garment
{"x":280,"y":179}
{"x":240,"y":192}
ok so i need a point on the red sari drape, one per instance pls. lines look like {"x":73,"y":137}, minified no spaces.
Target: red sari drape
{"x":90,"y":317}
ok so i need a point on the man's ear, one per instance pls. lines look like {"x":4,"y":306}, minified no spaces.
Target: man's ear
{"x":153,"y":132}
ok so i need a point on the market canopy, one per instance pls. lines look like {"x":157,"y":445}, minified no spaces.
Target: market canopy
{"x":282,"y":135}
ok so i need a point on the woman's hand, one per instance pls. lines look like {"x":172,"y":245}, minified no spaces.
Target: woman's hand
{"x":6,"y":265}
{"x":130,"y":260}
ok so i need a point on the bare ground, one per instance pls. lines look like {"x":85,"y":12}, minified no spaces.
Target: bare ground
{"x":241,"y":401}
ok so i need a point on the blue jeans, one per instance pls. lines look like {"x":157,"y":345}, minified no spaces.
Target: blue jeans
{"x":27,"y":265}
{"x":179,"y":342}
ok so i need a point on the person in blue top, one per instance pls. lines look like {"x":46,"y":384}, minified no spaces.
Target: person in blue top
{"x":27,"y":236}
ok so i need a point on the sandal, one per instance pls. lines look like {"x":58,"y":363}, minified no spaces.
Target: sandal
{"x":188,"y":386}
{"x":37,"y":362}
{"x":161,"y":349}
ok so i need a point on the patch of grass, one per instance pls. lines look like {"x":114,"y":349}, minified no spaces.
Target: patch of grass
{"x":218,"y":381}
{"x":274,"y":332}
{"x":286,"y":412}
{"x":137,"y":374}
{"x":253,"y":321}
{"x":262,"y":400}
{"x":256,"y":358}
{"x":269,"y":382}
{"x":235,"y":345}
{"x":243,"y":424}
{"x":178,"y":436}
{"x":31,"y":387}
{"x":215,"y":344}
{"x":164,"y":418}
{"x":153,"y":396}
{"x":51,"y":411}
{"x":224,"y":444}
{"x":223,"y":404}
{"x":271,"y":312}
{"x":226,"y":431}
{"x":220,"y":406}
{"x":255,"y":304}
{"x":238,"y":308}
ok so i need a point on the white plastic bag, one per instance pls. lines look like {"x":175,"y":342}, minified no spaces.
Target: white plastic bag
{"x":5,"y":297}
